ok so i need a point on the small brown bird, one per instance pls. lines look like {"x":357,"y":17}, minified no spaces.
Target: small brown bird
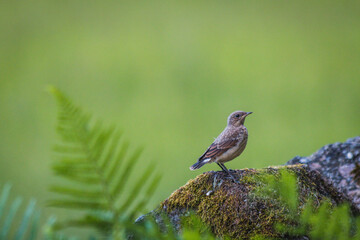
{"x":228,"y":145}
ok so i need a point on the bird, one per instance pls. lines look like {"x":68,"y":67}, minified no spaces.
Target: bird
{"x":228,"y":145}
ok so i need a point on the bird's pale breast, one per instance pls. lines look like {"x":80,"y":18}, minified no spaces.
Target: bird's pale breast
{"x":235,"y":151}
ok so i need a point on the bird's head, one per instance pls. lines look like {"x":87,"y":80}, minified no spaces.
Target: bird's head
{"x":237,"y":118}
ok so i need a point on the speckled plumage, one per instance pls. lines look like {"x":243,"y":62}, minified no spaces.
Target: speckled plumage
{"x":229,"y":144}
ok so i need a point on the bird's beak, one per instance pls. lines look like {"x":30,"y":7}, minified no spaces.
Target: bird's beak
{"x":248,"y":113}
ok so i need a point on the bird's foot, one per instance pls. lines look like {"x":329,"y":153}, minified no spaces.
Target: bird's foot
{"x":236,"y":181}
{"x":233,"y":178}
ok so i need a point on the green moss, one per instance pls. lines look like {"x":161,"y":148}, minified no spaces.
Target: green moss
{"x":239,"y":211}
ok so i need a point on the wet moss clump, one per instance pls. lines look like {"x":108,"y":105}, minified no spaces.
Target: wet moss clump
{"x":240,"y":211}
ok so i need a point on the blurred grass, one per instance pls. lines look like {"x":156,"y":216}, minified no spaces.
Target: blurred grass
{"x":169,"y":73}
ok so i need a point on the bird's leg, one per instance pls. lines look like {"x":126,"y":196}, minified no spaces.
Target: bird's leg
{"x":222,"y":167}
{"x":227,"y":171}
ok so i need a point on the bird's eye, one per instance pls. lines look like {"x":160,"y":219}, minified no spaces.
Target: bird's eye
{"x":237,"y":115}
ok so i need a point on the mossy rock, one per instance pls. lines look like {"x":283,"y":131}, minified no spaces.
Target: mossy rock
{"x":237,"y":210}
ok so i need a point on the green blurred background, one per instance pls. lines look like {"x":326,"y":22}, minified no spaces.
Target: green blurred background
{"x":169,"y":72}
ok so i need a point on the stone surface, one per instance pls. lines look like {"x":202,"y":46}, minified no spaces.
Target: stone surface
{"x":336,"y":163}
{"x":234,"y":210}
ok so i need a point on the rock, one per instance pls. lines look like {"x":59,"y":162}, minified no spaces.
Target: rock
{"x":235,"y":210}
{"x":337,"y":163}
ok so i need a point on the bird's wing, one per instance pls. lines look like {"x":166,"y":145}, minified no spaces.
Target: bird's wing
{"x":216,"y":149}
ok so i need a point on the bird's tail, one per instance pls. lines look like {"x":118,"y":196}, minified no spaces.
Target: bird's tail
{"x":197,"y":165}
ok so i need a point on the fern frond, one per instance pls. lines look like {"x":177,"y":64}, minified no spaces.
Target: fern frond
{"x":138,"y":186}
{"x":114,"y":166}
{"x":79,"y":178}
{"x":9,"y":218}
{"x":76,"y":193}
{"x":4,"y":197}
{"x":29,"y":222}
{"x":26,"y":219}
{"x":34,"y":229}
{"x":149,"y":192}
{"x":50,"y":231}
{"x":109,"y":155}
{"x":94,"y":158}
{"x":64,"y":203}
{"x":117,"y":190}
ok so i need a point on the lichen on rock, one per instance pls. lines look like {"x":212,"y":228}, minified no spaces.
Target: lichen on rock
{"x":337,"y":163}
